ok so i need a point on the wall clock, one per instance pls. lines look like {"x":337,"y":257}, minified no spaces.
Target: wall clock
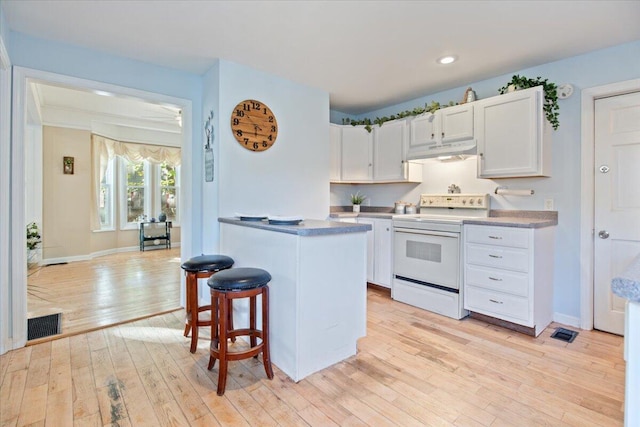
{"x":254,"y":125}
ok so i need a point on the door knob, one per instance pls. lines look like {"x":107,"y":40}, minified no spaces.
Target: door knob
{"x":604,"y":168}
{"x":603,"y":234}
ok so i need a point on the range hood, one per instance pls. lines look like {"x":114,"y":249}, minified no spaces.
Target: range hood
{"x":431,"y":151}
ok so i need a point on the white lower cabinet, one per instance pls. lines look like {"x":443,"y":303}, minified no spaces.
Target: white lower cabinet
{"x":379,"y":251}
{"x":508,"y":274}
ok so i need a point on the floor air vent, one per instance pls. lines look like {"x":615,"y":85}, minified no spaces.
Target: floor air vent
{"x":45,"y":326}
{"x":564,"y":334}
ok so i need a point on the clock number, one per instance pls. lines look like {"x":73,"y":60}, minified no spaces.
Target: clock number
{"x":264,"y":144}
{"x":236,"y":122}
{"x":239,"y":113}
{"x":273,"y":128}
{"x":239,"y":132}
{"x":270,"y":137}
{"x":270,"y":119}
{"x":246,"y":140}
{"x":245,"y":107}
{"x":256,"y":105}
{"x":255,"y":145}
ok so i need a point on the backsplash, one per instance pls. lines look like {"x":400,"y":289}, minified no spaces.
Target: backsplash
{"x":438,"y":176}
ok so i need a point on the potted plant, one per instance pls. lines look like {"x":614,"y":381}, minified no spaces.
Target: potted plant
{"x":33,"y":240}
{"x":550,"y":105}
{"x":356,"y":201}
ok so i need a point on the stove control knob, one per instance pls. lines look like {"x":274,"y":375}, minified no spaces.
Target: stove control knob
{"x":430,"y":201}
{"x":471,"y":201}
{"x":464,"y":201}
{"x":479,"y":201}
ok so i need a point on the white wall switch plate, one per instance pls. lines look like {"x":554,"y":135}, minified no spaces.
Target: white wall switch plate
{"x":548,"y":204}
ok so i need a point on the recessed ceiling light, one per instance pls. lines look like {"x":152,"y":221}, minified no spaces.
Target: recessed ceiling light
{"x":447,"y":59}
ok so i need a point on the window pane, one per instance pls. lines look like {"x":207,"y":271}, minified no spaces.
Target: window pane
{"x":135,"y":174}
{"x":168,"y":194}
{"x":135,"y":191}
{"x":135,"y":203}
{"x":169,"y":202}
{"x":105,"y":202}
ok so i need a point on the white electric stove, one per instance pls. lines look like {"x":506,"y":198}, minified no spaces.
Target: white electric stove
{"x":428,"y":252}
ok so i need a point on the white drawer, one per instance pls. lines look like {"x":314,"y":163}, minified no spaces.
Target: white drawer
{"x":496,"y":304}
{"x":502,"y":236}
{"x":497,"y":279}
{"x":498,"y":256}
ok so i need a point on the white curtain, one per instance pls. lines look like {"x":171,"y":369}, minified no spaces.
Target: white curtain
{"x":104,"y":149}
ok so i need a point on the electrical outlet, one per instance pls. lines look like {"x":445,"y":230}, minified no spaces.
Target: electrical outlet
{"x":548,"y":204}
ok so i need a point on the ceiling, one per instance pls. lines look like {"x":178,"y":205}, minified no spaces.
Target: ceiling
{"x":365,"y":54}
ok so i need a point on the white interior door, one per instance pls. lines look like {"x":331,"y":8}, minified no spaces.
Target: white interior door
{"x":617,"y":202}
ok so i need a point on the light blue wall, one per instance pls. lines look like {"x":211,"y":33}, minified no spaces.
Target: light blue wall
{"x":291,"y":177}
{"x":615,"y":64}
{"x":210,"y":190}
{"x":45,"y":55}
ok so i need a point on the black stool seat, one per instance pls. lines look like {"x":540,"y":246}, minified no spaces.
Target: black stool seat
{"x":207,"y":263}
{"x":239,"y":279}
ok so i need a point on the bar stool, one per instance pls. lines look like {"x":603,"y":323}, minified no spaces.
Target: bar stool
{"x":200,"y":267}
{"x":225,"y":287}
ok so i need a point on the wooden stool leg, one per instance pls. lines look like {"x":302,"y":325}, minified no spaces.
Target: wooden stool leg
{"x":222,"y":370}
{"x":215,"y":328}
{"x":252,"y":322}
{"x":230,"y":311}
{"x":266,"y":359}
{"x":193,"y":305}
{"x":187,"y":309}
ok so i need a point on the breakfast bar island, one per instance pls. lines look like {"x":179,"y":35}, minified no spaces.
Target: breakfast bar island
{"x":318,"y":291}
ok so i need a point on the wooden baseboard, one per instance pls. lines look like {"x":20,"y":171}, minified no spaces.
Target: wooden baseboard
{"x":379,"y":288}
{"x":505,"y":324}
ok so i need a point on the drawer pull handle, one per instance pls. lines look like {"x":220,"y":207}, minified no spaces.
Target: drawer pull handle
{"x":496,"y":302}
{"x":495,"y":237}
{"x":495,"y":256}
{"x":493,"y":278}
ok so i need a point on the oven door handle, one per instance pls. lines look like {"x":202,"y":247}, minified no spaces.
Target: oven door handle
{"x":425,"y":232}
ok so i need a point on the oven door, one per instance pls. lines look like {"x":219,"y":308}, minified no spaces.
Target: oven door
{"x":429,"y":258}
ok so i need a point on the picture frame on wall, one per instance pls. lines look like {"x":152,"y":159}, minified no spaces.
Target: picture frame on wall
{"x":67,"y":165}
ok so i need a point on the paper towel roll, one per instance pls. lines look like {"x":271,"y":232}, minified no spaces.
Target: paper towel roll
{"x":507,"y":192}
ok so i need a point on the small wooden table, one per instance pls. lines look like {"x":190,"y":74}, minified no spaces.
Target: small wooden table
{"x":152,"y":231}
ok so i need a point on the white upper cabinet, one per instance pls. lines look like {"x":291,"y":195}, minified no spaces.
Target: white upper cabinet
{"x":335,"y":141}
{"x":369,"y":157}
{"x":357,"y":154}
{"x":389,"y":142}
{"x":513,"y":135}
{"x":448,"y":124}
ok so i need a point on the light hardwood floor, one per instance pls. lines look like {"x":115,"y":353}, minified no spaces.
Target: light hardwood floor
{"x":413,"y":368}
{"x":106,"y":290}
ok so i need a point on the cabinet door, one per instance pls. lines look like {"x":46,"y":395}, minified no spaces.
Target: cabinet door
{"x":357,"y":155}
{"x":423,"y":132}
{"x":456,"y":123}
{"x":383,"y":252}
{"x":335,"y":147}
{"x":370,"y":248}
{"x":508,"y":129}
{"x":388,"y":151}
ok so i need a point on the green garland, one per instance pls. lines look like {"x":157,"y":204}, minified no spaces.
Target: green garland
{"x":550,"y":104}
{"x":428,"y":108}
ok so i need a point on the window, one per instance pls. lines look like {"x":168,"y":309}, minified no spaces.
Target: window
{"x":168,"y":176}
{"x":135,"y":188}
{"x":106,"y":198}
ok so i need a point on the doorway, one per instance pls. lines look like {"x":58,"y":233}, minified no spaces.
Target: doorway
{"x":588,"y":232}
{"x":18,"y":289}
